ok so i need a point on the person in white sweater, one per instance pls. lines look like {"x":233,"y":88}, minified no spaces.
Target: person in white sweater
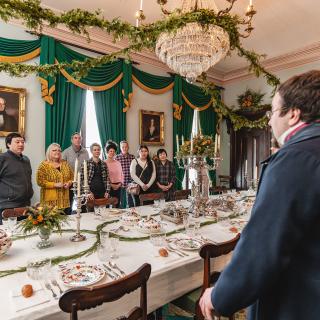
{"x":143,"y":172}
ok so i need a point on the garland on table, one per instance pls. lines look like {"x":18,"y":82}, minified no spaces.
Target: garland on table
{"x":94,"y":247}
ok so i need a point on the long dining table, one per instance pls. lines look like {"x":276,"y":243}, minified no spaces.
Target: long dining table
{"x":171,"y":276}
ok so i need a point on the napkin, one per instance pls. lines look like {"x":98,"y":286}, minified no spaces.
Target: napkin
{"x":21,"y":303}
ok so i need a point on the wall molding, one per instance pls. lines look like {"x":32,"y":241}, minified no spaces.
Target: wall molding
{"x":103,"y":43}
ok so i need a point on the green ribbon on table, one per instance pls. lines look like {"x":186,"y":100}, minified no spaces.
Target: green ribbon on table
{"x":93,"y":248}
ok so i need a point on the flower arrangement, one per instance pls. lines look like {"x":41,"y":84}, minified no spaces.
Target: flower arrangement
{"x":200,"y":145}
{"x":250,"y":99}
{"x":43,"y":217}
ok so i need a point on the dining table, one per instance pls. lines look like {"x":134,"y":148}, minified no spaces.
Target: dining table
{"x":171,"y":276}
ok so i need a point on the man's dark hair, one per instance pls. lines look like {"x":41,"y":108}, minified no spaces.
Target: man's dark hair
{"x":111,"y":145}
{"x":10,"y":136}
{"x":302,"y":92}
{"x":161,"y":150}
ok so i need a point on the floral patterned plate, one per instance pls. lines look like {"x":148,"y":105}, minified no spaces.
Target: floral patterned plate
{"x":188,"y":244}
{"x":80,"y":275}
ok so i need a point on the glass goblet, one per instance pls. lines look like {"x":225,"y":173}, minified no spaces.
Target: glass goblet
{"x":114,"y":244}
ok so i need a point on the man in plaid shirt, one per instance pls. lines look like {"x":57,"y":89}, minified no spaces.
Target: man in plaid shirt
{"x":125,"y":159}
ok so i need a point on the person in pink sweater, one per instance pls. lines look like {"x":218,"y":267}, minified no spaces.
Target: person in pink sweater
{"x":115,"y":171}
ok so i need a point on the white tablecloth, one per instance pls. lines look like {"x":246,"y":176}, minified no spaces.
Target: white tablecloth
{"x":171,"y":277}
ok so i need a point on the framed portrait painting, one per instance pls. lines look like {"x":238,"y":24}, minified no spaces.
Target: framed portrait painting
{"x":151,"y":128}
{"x":12,"y":110}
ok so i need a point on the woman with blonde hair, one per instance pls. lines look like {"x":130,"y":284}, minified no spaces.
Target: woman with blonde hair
{"x":54,"y":176}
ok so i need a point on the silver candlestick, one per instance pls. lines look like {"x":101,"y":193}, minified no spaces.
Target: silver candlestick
{"x":81,"y":200}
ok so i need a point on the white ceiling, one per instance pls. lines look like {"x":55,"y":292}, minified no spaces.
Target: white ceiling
{"x":281,"y":26}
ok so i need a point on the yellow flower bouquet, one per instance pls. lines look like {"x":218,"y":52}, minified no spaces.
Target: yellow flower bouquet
{"x":43,"y":219}
{"x":201,"y":145}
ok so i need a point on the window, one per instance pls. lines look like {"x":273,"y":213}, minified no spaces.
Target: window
{"x":89,"y":128}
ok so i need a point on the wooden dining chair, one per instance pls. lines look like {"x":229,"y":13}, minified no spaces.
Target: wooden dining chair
{"x":182,"y":194}
{"x":148,"y":198}
{"x":76,"y":299}
{"x":14,"y":212}
{"x":190,"y":301}
{"x":102,"y":202}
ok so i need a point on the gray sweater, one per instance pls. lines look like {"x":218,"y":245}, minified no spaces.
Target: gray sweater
{"x":15,"y":180}
{"x":70,"y":155}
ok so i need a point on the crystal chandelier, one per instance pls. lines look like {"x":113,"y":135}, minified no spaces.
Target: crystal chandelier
{"x":192,"y":49}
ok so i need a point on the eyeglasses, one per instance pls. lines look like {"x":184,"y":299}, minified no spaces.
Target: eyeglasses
{"x":271,"y":112}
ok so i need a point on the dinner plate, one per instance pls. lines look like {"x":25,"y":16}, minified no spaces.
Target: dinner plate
{"x":188,"y":244}
{"x":113,"y":212}
{"x":80,"y":275}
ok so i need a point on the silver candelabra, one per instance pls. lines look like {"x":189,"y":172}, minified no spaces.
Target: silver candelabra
{"x":200,"y":192}
{"x":81,"y":200}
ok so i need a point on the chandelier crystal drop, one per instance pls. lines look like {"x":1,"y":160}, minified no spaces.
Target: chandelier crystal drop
{"x":193,"y":49}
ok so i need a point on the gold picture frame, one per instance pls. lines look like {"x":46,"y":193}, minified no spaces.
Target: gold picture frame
{"x":12,"y":110}
{"x":151,"y":128}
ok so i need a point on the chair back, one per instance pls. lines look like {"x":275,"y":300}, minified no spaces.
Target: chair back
{"x":182,"y":194}
{"x":206,"y":252}
{"x":103,"y":202}
{"x":14,"y":212}
{"x":77,"y":299}
{"x":150,"y":197}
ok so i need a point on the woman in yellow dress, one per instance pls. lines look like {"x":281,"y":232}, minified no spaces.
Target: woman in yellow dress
{"x":54,"y":176}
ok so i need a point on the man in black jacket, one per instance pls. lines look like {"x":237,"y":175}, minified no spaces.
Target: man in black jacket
{"x":15,"y":175}
{"x":275,"y":268}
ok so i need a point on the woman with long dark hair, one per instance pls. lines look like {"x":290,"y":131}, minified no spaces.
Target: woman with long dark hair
{"x":114,"y":170}
{"x":143,"y":172}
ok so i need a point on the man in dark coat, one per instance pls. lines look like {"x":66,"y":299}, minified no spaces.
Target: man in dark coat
{"x":15,"y":175}
{"x":7,"y":122}
{"x":275,"y":268}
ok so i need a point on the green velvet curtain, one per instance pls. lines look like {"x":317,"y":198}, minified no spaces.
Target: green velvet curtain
{"x":64,"y":117}
{"x":110,"y":116}
{"x":47,"y":56}
{"x":152,"y":83}
{"x":182,"y":126}
{"x":112,"y":89}
{"x":208,"y":127}
{"x":12,"y":50}
{"x":97,"y":77}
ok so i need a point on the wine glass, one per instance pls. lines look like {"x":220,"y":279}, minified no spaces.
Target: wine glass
{"x":12,"y":222}
{"x":185,"y":221}
{"x":104,"y":238}
{"x":103,"y":253}
{"x":114,"y":243}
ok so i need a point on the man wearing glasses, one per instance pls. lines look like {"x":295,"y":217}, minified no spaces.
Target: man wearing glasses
{"x":275,"y":265}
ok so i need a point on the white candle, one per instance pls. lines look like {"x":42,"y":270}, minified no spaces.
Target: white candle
{"x":85,"y":173}
{"x":246,"y":167}
{"x":215,"y":144}
{"x":177,"y":142}
{"x":191,"y":146}
{"x":137,"y":23}
{"x":79,"y":185}
{"x":182,"y":140}
{"x":255,"y":176}
{"x":141,"y":4}
{"x":250,"y":2}
{"x":218,"y":142}
{"x":75,"y":170}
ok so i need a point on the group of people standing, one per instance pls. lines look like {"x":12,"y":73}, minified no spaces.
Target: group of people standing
{"x":106,"y":178}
